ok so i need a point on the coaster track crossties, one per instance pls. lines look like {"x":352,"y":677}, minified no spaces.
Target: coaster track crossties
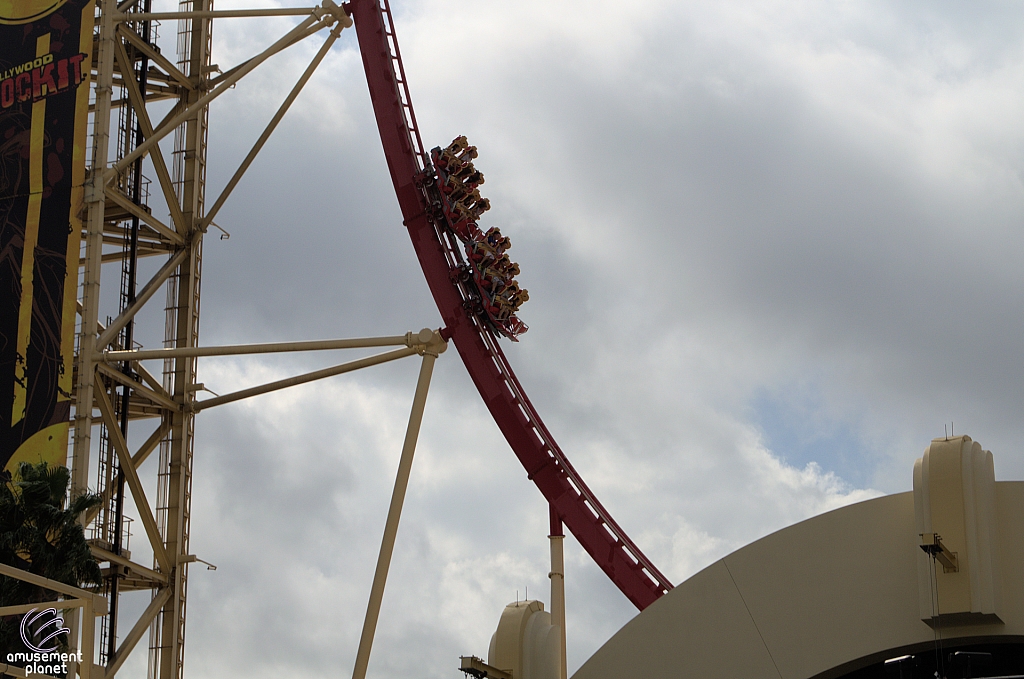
{"x":439,"y":253}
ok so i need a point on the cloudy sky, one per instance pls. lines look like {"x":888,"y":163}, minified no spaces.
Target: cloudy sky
{"x":772,"y":249}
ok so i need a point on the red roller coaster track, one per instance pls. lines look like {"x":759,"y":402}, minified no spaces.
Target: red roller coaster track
{"x":546,"y":465}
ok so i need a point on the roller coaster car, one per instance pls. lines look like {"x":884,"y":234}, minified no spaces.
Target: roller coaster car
{"x":489,"y":275}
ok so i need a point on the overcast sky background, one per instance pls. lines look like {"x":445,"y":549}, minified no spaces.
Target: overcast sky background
{"x":771,"y":248}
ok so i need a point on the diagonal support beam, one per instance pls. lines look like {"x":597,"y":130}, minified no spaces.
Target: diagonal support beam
{"x":296,"y":38}
{"x":203,"y":101}
{"x":150,"y":379}
{"x":140,"y":628}
{"x":154,"y":385}
{"x":302,"y":379}
{"x":132,"y":476}
{"x":147,"y":291}
{"x":157,"y":58}
{"x":136,"y":568}
{"x":122,"y":200}
{"x":138,"y":387}
{"x":137,"y":459}
{"x":387,"y":543}
{"x":271,"y":126}
{"x":156,"y":155}
{"x":54,"y":586}
{"x":175,"y":110}
{"x":151,"y":443}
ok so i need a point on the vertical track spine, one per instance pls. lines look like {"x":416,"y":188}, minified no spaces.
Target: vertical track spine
{"x":562,"y":486}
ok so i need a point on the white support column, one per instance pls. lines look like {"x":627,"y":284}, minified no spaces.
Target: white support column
{"x":387,"y":545}
{"x":88,"y":640}
{"x":94,"y":199}
{"x":557,"y":576}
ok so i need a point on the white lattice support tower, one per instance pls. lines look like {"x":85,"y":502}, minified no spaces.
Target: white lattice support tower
{"x":129,"y":60}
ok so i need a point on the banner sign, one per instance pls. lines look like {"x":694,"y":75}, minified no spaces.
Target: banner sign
{"x":45,"y":56}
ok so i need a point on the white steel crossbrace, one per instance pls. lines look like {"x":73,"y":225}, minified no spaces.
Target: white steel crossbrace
{"x":91,"y":605}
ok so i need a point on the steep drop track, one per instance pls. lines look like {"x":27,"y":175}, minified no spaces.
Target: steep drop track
{"x":438,"y":254}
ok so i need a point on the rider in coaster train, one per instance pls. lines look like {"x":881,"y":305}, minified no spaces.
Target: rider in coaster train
{"x":473,"y":177}
{"x":496,"y":240}
{"x":454,"y":189}
{"x":458,"y":144}
{"x":490,"y":247}
{"x":453,"y":161}
{"x":510,"y":301}
{"x":479,"y":207}
{"x":469,"y":199}
{"x":499,"y":274}
{"x":486,"y":251}
{"x":458,"y":185}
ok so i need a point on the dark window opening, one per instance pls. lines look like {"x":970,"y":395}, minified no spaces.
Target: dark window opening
{"x":957,"y":660}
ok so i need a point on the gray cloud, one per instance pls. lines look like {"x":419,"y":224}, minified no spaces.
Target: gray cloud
{"x":770,"y":249}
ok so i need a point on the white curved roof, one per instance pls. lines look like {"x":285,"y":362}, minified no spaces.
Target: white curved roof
{"x":818,"y":599}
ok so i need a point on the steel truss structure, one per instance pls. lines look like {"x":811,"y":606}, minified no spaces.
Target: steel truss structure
{"x":162,"y":108}
{"x":113,"y":388}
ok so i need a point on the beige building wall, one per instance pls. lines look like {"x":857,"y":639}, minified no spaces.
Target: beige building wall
{"x":818,"y":599}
